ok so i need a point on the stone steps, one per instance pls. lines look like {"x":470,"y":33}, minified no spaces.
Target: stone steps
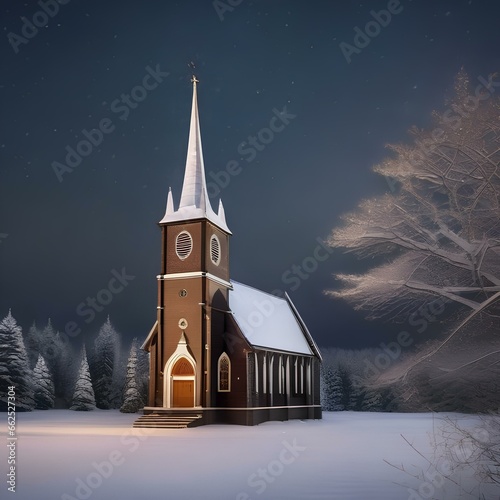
{"x":166,"y":421}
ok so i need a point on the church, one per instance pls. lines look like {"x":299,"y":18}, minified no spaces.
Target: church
{"x":220,"y":351}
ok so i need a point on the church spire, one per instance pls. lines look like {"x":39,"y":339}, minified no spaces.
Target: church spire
{"x":194,"y":203}
{"x":194,"y":189}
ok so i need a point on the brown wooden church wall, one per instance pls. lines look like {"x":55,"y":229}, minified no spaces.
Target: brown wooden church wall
{"x":221,"y":270}
{"x":295,"y":397}
{"x":235,"y":346}
{"x":199,"y":259}
{"x":192,"y":263}
{"x":177,"y":307}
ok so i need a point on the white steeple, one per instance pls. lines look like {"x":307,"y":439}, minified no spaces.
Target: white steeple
{"x":194,"y":203}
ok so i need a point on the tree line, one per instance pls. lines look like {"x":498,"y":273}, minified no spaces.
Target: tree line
{"x":47,"y":372}
{"x":344,"y":384}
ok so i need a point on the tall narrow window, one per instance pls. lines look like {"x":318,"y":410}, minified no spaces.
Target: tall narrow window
{"x":183,"y":245}
{"x":256,"y":372}
{"x":296,"y":375}
{"x":309,"y":377}
{"x":264,"y":374}
{"x":280,"y":375}
{"x":224,"y":371}
{"x":271,"y":379}
{"x":302,"y":376}
{"x":287,"y":376}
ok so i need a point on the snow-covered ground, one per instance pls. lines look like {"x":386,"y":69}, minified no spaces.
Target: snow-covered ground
{"x":67,"y":455}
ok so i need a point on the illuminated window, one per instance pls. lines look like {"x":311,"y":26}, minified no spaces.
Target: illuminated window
{"x":224,"y":370}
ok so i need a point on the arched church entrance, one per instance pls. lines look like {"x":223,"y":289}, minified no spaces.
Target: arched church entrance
{"x":182,"y":384}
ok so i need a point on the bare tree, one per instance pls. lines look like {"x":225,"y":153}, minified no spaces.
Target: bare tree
{"x":466,"y":455}
{"x":440,"y":227}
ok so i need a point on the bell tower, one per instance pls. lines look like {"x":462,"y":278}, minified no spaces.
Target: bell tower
{"x":193,"y":287}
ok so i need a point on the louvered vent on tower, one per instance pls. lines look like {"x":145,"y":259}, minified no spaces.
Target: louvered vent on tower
{"x":183,"y":245}
{"x":215,"y":249}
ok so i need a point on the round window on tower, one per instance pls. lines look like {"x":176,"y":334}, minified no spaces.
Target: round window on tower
{"x":215,"y":249}
{"x":183,"y":245}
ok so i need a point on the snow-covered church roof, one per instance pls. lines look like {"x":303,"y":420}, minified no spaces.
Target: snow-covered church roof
{"x":266,"y":321}
{"x":194,"y":203}
{"x":269,"y":322}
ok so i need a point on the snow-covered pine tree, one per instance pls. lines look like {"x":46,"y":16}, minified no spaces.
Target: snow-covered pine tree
{"x":355,"y":395}
{"x":331,"y":389}
{"x":32,"y":344}
{"x":43,"y":386}
{"x":65,"y":370}
{"x":83,"y":396}
{"x":58,"y":358}
{"x":132,"y":401}
{"x":322,"y":388}
{"x":14,"y":366}
{"x":337,"y":395}
{"x":372,"y":400}
{"x":104,"y":366}
{"x":346,"y":386}
{"x":143,"y":373}
{"x":47,"y":345}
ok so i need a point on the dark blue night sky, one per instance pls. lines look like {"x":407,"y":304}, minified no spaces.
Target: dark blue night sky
{"x":126,"y":66}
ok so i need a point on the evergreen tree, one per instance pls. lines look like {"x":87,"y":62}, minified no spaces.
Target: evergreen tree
{"x":132,"y":401}
{"x":143,"y":373}
{"x":337,"y":391}
{"x":356,"y":396}
{"x":64,"y":370}
{"x":59,"y":360}
{"x":32,"y":344}
{"x":47,"y":345}
{"x":14,"y":366}
{"x":83,"y":396}
{"x":331,"y":385}
{"x":105,"y":370}
{"x":346,"y":387}
{"x":43,"y":385}
{"x":322,"y":389}
{"x":372,"y":400}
